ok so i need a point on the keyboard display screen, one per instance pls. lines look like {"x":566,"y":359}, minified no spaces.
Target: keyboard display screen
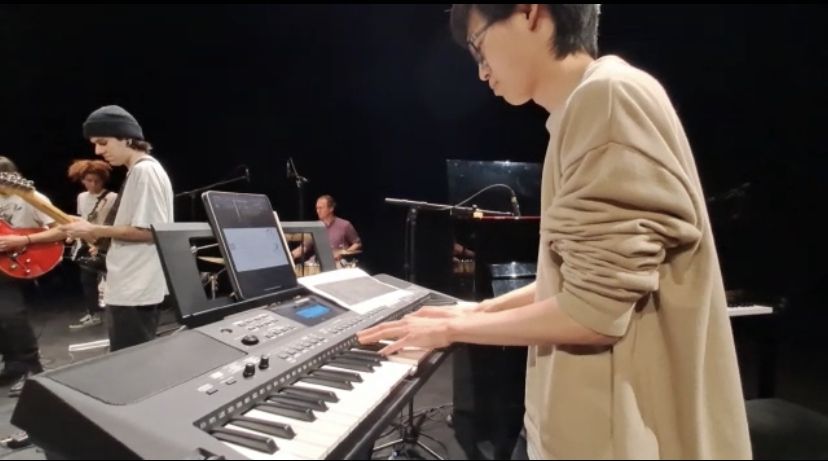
{"x":309,"y":311}
{"x":312,"y":312}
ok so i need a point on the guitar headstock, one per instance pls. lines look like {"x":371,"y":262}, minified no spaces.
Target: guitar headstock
{"x":13,"y":183}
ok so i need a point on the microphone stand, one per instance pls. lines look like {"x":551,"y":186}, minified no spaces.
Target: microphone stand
{"x":300,"y":187}
{"x":409,"y":264}
{"x":193,"y":194}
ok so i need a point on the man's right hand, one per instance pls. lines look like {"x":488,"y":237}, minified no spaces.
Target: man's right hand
{"x":79,"y":229}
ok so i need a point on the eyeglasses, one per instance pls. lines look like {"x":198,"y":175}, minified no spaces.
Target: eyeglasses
{"x":475,"y":43}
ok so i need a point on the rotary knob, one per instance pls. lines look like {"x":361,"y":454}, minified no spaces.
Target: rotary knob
{"x":249,"y":370}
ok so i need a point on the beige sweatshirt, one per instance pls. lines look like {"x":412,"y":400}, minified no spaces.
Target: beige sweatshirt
{"x":627,"y":250}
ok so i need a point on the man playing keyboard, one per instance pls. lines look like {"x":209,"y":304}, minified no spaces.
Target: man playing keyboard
{"x":631,"y":353}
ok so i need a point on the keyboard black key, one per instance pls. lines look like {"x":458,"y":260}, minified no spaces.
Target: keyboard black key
{"x":342,"y":362}
{"x":302,"y":403}
{"x":326,"y":396}
{"x":368,"y":353}
{"x":292,"y":404}
{"x":344,"y":385}
{"x":336,"y":374}
{"x":361,"y":358}
{"x":282,"y":431}
{"x":286,"y":411}
{"x":376,"y":347}
{"x":243,"y":439}
{"x":437,"y":299}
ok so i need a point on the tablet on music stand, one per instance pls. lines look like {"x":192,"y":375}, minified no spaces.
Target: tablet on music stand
{"x":252,"y":242}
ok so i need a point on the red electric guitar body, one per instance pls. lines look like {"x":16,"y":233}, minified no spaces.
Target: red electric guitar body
{"x":31,"y":261}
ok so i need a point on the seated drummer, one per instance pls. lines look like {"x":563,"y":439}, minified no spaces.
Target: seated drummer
{"x":342,"y":236}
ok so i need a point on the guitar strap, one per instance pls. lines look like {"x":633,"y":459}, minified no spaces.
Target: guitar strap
{"x":93,"y":215}
{"x":105,"y":243}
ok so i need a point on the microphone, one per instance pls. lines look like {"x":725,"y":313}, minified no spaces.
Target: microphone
{"x":515,"y":205}
{"x":287,"y":168}
{"x":246,"y":174}
{"x":293,"y":174}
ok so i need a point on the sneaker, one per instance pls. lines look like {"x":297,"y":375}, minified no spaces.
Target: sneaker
{"x":16,"y":441}
{"x":17,"y":388}
{"x":88,"y":320}
{"x":8,"y":376}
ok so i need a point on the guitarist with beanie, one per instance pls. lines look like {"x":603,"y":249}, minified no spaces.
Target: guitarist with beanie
{"x":18,"y":343}
{"x":135,"y":282}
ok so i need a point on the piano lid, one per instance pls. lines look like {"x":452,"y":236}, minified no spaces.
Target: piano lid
{"x":467,"y":177}
{"x":502,"y":218}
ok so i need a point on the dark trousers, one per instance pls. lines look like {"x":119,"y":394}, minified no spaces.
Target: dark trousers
{"x":488,"y":384}
{"x":520,"y":452}
{"x":89,"y":282}
{"x":131,"y":325}
{"x":18,"y":343}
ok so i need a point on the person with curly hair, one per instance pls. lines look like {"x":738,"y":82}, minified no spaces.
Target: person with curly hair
{"x":94,"y":204}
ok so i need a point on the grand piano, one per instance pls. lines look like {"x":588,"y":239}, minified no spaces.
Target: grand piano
{"x":489,"y":381}
{"x":462,"y":245}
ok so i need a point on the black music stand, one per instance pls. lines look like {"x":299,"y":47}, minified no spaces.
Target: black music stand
{"x":321,"y":244}
{"x":178,"y":260}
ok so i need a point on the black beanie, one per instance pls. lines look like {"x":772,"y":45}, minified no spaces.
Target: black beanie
{"x":112,"y":121}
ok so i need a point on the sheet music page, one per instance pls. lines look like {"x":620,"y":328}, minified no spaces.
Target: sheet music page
{"x":353,"y":289}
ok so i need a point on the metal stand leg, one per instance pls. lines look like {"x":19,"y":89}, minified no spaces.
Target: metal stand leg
{"x":411,"y":436}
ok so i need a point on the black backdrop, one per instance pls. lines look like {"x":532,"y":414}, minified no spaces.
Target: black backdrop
{"x":370,"y":101}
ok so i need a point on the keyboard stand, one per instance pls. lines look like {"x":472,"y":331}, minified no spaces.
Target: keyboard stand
{"x":411,"y":436}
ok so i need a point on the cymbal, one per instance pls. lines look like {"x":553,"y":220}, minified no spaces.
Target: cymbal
{"x":212,"y":259}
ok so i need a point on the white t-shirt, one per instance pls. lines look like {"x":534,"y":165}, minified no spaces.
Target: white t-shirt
{"x":87,"y":201}
{"x":17,"y":213}
{"x":134,"y":274}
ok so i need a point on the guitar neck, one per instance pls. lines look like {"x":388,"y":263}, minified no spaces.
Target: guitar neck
{"x":47,"y":208}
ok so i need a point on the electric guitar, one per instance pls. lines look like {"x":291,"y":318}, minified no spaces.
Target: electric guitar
{"x":31,"y":261}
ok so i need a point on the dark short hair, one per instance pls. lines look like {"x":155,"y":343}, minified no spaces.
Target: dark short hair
{"x":139,"y":145}
{"x":576,"y":25}
{"x":7,"y":166}
{"x":329,"y":199}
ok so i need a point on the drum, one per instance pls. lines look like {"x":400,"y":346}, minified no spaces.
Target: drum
{"x":463,"y":267}
{"x":468,"y":266}
{"x":312,"y":268}
{"x":308,"y":268}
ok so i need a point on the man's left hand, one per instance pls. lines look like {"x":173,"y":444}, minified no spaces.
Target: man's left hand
{"x":411,"y":331}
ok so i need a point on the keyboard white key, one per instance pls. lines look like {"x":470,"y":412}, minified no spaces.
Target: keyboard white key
{"x":299,"y":447}
{"x":253,"y":454}
{"x":316,"y":439}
